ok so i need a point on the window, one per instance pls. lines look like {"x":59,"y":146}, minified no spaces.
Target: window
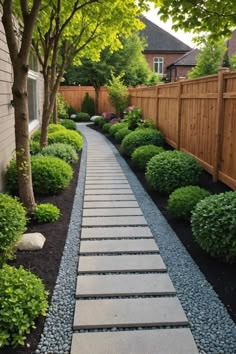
{"x":33,"y":91}
{"x":158,"y":64}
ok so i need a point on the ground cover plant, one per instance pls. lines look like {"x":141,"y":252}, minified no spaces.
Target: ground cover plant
{"x":66,"y":152}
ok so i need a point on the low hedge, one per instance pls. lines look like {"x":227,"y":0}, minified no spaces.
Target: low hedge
{"x":121,"y":134}
{"x":69,"y":124}
{"x":116,"y":127}
{"x":143,"y":154}
{"x":82,"y":117}
{"x":172,"y":169}
{"x":106,"y":128}
{"x":67,"y":137}
{"x":65,"y":152}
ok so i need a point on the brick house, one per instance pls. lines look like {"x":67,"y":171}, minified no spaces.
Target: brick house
{"x":180,"y":67}
{"x":162,"y":48}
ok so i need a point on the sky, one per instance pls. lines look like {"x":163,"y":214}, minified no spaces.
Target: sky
{"x":181,"y":35}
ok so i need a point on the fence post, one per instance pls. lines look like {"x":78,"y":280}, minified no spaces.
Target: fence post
{"x":179,"y":103}
{"x":219,"y":123}
{"x":157,"y":106}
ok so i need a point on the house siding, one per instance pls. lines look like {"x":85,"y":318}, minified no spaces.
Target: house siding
{"x":176,"y":72}
{"x":7,"y":133}
{"x":169,"y":58}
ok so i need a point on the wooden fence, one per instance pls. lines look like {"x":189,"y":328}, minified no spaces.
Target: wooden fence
{"x":197,"y":116}
{"x":74,"y":95}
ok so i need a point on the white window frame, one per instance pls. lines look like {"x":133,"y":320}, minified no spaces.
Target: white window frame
{"x":158,"y":61}
{"x":33,"y":75}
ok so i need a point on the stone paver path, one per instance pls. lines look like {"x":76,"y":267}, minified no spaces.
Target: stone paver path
{"x":125,"y":300}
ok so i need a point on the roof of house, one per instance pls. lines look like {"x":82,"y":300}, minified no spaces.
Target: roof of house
{"x":159,"y":40}
{"x":188,"y":59}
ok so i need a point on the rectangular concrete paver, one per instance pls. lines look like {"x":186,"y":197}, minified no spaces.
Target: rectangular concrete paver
{"x":139,"y":312}
{"x":113,"y":220}
{"x":112,"y":212}
{"x":124,"y":285}
{"x":102,"y":181}
{"x":108,"y":191}
{"x":111,"y":204}
{"x":114,"y":264}
{"x":159,"y":341}
{"x":106,"y":186}
{"x":109,"y":197}
{"x":116,"y":232}
{"x":119,"y":246}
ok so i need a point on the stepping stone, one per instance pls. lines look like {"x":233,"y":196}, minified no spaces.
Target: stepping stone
{"x":116,"y":232}
{"x":114,"y":264}
{"x":109,"y":197}
{"x":106,"y":186}
{"x":114,"y":221}
{"x":158,"y":341}
{"x":108,"y":191}
{"x":104,"y":181}
{"x":111,"y":204}
{"x":139,"y":312}
{"x":118,"y":246}
{"x":105,"y":174}
{"x":124,"y":285}
{"x":112,"y":212}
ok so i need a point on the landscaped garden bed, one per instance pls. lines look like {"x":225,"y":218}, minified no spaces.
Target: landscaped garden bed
{"x":219,"y":273}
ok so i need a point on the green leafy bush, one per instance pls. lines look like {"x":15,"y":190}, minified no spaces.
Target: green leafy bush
{"x":97,"y":120}
{"x":143,"y":154}
{"x":118,"y":94}
{"x":62,"y":106}
{"x":23,"y":298}
{"x":71,"y":111}
{"x":140,"y":138}
{"x":65,"y":152}
{"x":106,"y":128}
{"x":46,"y":213}
{"x":101,"y":122}
{"x":88,"y":105}
{"x":34,"y":147}
{"x":121,"y":134}
{"x":12,"y":225}
{"x":214,"y":225}
{"x":50,"y":175}
{"x":133,"y":118}
{"x":54,"y":128}
{"x":67,"y":137}
{"x":117,"y":126}
{"x":36,"y":136}
{"x":147,"y":123}
{"x":171,"y":170}
{"x":69,"y":124}
{"x":82,"y":117}
{"x":182,"y":201}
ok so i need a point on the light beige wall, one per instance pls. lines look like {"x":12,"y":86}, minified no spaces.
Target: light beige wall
{"x":7,"y":134}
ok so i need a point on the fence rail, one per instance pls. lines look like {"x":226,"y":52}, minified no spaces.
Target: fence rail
{"x":197,"y":116}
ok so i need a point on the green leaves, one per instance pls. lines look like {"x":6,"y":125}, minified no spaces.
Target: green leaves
{"x":46,"y":213}
{"x":118,"y":94}
{"x":143,"y":154}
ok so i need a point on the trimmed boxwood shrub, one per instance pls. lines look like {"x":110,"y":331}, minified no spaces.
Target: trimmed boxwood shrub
{"x":46,"y":213}
{"x":12,"y":225}
{"x":117,"y":126}
{"x":106,"y":128}
{"x":22,"y":299}
{"x":97,"y":120}
{"x":52,"y":128}
{"x":182,"y":201}
{"x":121,"y":134}
{"x":67,"y":137}
{"x":214,"y":225}
{"x":88,"y":105}
{"x":65,"y":152}
{"x":50,"y":175}
{"x":69,"y":124}
{"x":172,"y":169}
{"x":141,"y":137}
{"x":102,"y":122}
{"x":143,"y":154}
{"x":82,"y":117}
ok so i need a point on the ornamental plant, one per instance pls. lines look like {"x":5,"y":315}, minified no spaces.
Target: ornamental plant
{"x":12,"y":225}
{"x":117,"y":126}
{"x":106,"y":128}
{"x":172,"y":169}
{"x":68,"y":124}
{"x":65,"y":152}
{"x":67,"y":137}
{"x":143,"y":154}
{"x":62,"y":106}
{"x":214,"y":225}
{"x":133,"y":118}
{"x":23,"y":298}
{"x":34,"y":147}
{"x":118,"y":94}
{"x":182,"y":201}
{"x":82,"y":117}
{"x":46,"y":213}
{"x":121,"y":134}
{"x":88,"y":105}
{"x":97,"y":120}
{"x":140,"y":138}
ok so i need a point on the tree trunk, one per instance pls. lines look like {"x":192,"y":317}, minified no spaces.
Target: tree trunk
{"x":55,"y":116}
{"x":20,"y":98}
{"x":45,"y":116}
{"x":97,"y":92}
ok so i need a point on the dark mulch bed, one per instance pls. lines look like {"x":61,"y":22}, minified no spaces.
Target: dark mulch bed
{"x":219,"y":274}
{"x":45,"y":263}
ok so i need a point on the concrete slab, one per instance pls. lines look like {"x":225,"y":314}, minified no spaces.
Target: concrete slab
{"x":124,"y":285}
{"x":140,"y":312}
{"x":119,"y":246}
{"x":110,"y":204}
{"x":159,"y":341}
{"x":109,"y":197}
{"x":107,"y":186}
{"x":114,"y":264}
{"x":112,"y":212}
{"x":104,"y":181}
{"x":108,"y":191}
{"x":116,"y":232}
{"x":113,"y":221}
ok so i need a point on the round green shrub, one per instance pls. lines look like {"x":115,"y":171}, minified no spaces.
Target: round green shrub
{"x":68,"y":137}
{"x":97,"y":120}
{"x":46,"y":213}
{"x":65,"y":152}
{"x":82,"y":117}
{"x":182,"y":201}
{"x":117,"y":126}
{"x":69,"y":124}
{"x":143,"y":154}
{"x":34,"y":147}
{"x":172,"y":169}
{"x":214,"y":225}
{"x":12,"y":224}
{"x":53,"y":128}
{"x":50,"y":175}
{"x":121,"y":134}
{"x":22,"y":299}
{"x":140,"y":138}
{"x":102,"y":122}
{"x":106,"y":128}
